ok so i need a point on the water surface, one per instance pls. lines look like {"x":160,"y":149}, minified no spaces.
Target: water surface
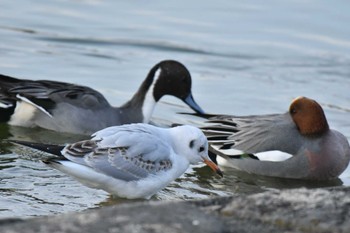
{"x":245,"y":58}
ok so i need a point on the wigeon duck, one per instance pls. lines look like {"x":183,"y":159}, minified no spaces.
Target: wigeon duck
{"x":66,"y":107}
{"x":130,"y":161}
{"x":311,"y":150}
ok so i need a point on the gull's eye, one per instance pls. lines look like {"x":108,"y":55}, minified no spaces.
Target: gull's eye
{"x":191,"y":144}
{"x":201,"y":149}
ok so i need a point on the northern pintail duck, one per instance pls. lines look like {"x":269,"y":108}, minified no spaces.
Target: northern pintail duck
{"x":77,"y":109}
{"x":311,"y":149}
{"x":130,"y":161}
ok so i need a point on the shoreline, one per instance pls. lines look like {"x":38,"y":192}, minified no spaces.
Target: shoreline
{"x":293,"y":210}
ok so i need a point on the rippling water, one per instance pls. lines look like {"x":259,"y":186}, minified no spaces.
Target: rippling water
{"x":245,"y":58}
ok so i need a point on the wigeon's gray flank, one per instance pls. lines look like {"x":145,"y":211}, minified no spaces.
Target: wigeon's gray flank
{"x":314,"y":150}
{"x":77,"y":109}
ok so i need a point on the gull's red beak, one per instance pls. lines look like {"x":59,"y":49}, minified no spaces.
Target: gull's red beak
{"x":213,"y":166}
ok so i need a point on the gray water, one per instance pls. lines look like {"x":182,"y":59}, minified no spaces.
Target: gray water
{"x":245,"y":58}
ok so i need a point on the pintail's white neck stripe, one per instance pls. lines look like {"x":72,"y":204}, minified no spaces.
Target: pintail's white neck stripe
{"x":149,"y":102}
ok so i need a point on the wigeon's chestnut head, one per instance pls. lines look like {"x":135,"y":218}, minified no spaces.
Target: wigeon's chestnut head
{"x":308,"y":116}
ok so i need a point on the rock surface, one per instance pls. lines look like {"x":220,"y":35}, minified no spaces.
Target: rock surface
{"x":294,"y":210}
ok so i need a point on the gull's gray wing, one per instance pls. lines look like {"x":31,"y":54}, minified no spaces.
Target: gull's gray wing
{"x":253,"y":134}
{"x":126,"y":154}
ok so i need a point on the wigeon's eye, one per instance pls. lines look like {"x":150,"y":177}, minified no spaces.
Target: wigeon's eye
{"x":293,"y":111}
{"x":201,"y":149}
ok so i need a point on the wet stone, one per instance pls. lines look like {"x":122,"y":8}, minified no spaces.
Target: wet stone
{"x":294,"y":210}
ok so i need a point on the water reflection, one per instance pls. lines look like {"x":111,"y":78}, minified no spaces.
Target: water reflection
{"x":279,"y":183}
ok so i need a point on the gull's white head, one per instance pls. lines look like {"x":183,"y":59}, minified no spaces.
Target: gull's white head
{"x":191,"y":143}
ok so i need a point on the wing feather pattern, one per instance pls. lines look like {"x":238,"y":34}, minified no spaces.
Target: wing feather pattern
{"x":47,"y":94}
{"x":127,"y":155}
{"x":253,"y":134}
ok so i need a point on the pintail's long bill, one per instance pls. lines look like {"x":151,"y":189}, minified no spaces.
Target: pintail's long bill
{"x":190,"y":101}
{"x":213,"y":166}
